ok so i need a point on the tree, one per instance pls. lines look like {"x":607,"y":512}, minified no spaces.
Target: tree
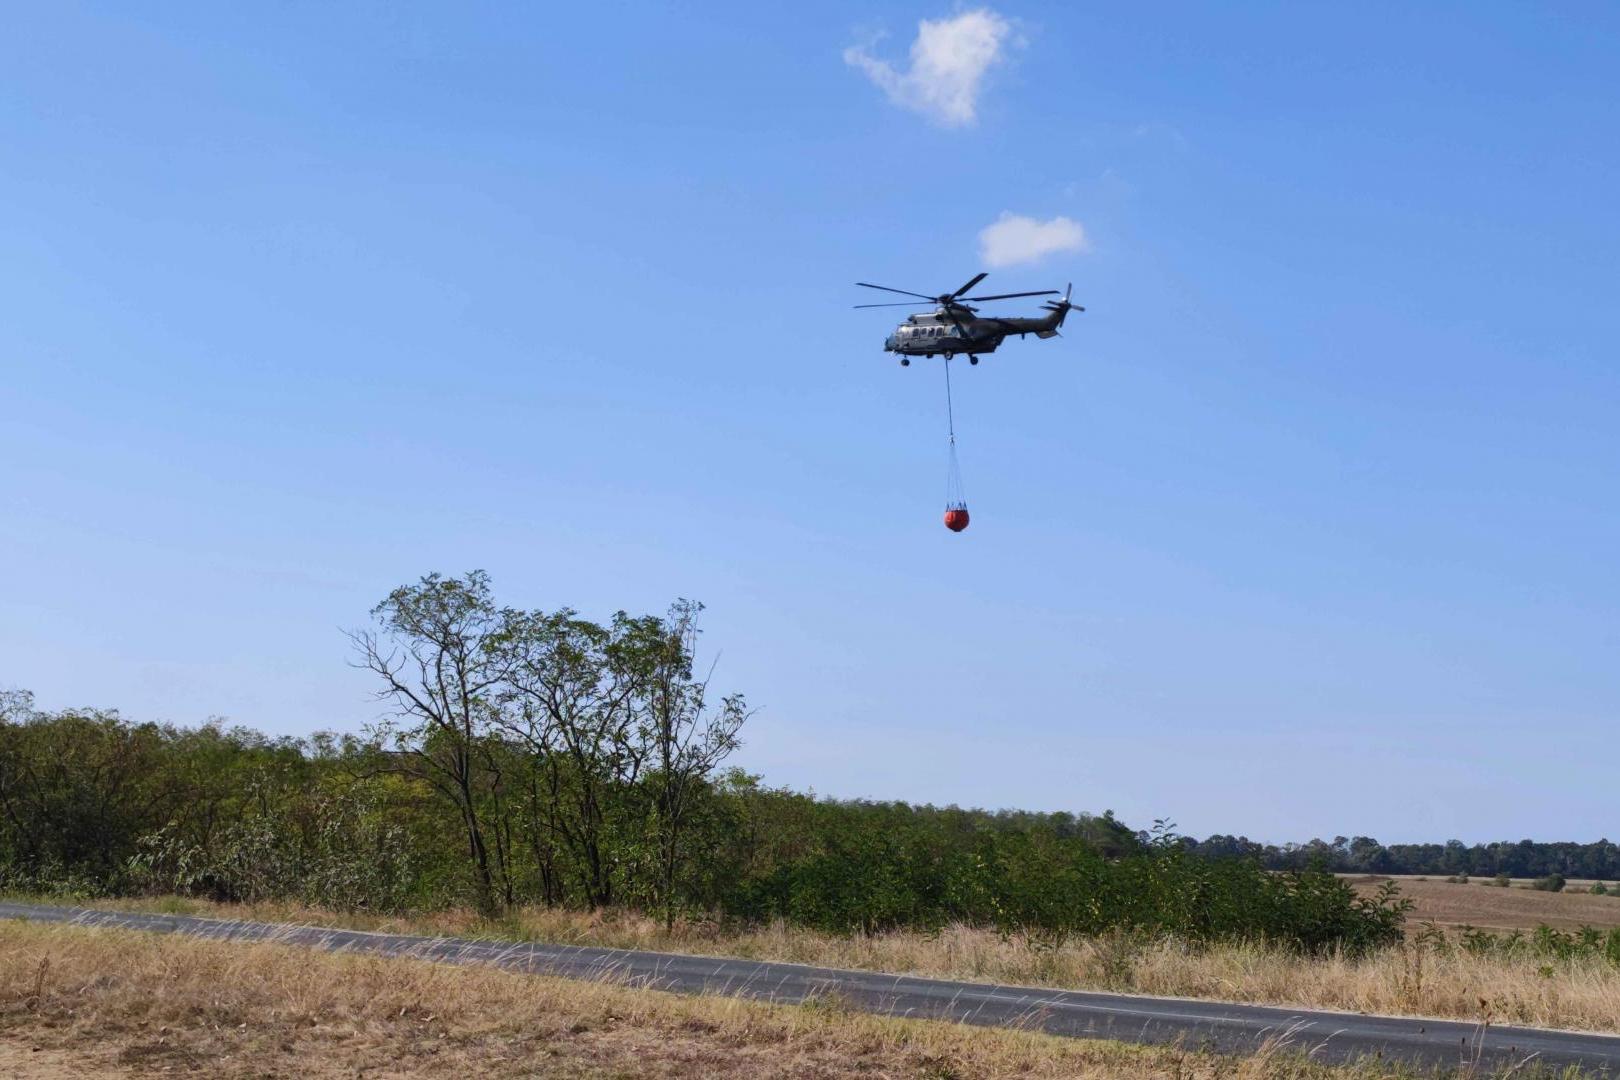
{"x":434,"y":648}
{"x":1366,"y":855}
{"x":688,"y":739}
{"x":16,"y":705}
{"x":569,"y":692}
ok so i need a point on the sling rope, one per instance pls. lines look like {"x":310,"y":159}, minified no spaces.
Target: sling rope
{"x":954,"y":493}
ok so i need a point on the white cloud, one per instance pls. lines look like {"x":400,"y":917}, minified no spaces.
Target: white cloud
{"x":948,"y":64}
{"x":1015,"y":239}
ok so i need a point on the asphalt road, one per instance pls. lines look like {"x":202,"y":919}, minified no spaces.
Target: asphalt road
{"x":1218,"y":1026}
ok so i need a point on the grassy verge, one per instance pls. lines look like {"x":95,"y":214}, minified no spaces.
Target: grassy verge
{"x":1415,"y":979}
{"x":80,"y":1001}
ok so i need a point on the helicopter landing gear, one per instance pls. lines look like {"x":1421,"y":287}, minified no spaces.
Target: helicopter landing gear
{"x":905,"y":361}
{"x":972,"y":359}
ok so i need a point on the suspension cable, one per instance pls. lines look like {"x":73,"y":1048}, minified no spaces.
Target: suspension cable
{"x":955,"y":496}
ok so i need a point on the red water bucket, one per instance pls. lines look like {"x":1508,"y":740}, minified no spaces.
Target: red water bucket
{"x":956,"y":517}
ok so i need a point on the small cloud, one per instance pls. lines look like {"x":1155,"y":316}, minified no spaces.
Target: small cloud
{"x":1015,"y":239}
{"x":949,"y":60}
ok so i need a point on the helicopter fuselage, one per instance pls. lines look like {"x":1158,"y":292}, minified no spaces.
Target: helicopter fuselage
{"x":936,"y":334}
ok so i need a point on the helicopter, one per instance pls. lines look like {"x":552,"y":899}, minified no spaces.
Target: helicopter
{"x":954,"y":327}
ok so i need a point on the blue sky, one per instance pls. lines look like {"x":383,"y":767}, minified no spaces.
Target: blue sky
{"x":1306,"y":527}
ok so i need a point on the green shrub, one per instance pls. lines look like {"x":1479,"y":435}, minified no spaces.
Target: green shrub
{"x":1046,"y":888}
{"x":114,"y":808}
{"x":333,"y":850}
{"x":1544,"y":942}
{"x":1550,"y":883}
{"x":1599,"y":889}
{"x":1502,"y":880}
{"x":51,"y":882}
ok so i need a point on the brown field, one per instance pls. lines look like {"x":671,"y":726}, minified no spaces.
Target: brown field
{"x":1488,"y":906}
{"x":89,"y":1002}
{"x":1416,"y":980}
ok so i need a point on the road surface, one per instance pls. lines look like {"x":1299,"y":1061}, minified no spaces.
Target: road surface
{"x":1218,"y":1026}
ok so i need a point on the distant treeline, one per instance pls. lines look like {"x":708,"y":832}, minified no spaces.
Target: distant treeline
{"x":1364,"y":855}
{"x":532,"y":757}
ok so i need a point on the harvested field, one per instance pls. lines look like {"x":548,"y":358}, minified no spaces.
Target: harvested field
{"x":1480,"y":903}
{"x":25,"y":1061}
{"x":76,"y":1001}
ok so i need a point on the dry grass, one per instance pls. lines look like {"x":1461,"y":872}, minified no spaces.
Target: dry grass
{"x":86,"y":1002}
{"x":1580,"y":993}
{"x":1479,"y":903}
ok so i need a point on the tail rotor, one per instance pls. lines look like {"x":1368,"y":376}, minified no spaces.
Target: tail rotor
{"x":1063,"y":307}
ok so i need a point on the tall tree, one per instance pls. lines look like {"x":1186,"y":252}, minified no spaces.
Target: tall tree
{"x":569,"y":708}
{"x":434,"y":646}
{"x":685,"y":737}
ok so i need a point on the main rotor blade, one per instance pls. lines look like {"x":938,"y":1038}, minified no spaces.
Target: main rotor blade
{"x":969,"y":285}
{"x":1011,"y":295}
{"x":903,"y":303}
{"x":902,"y":292}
